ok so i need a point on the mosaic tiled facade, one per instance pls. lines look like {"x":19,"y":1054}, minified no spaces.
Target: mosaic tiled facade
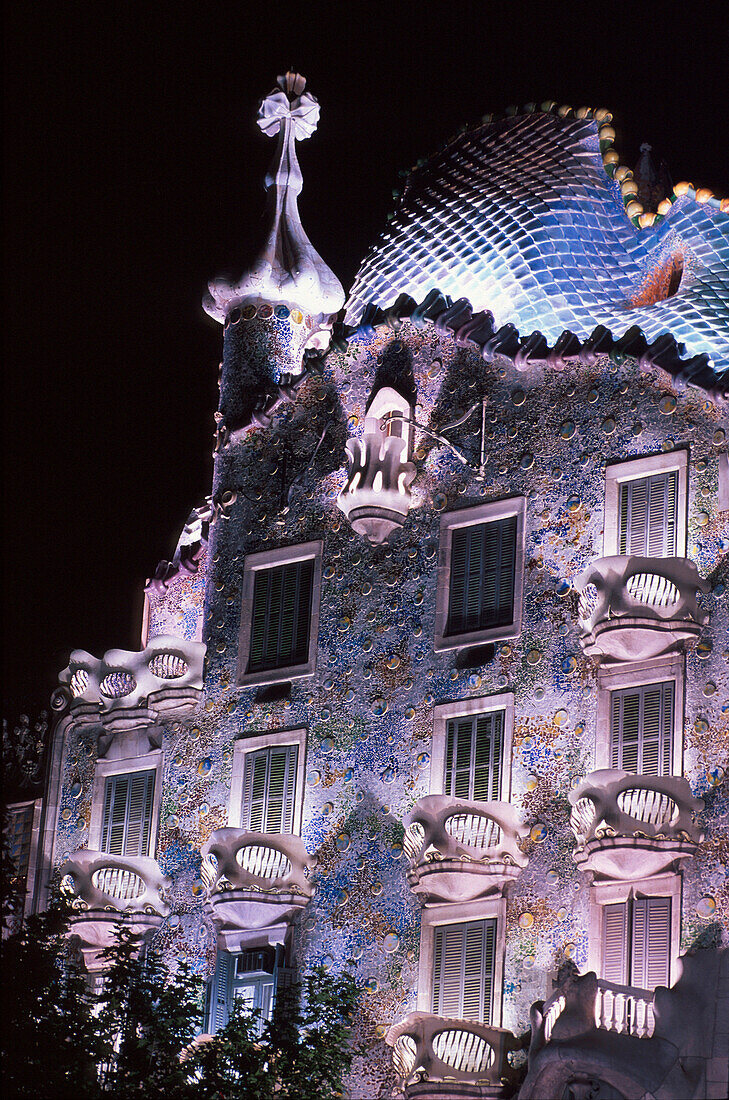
{"x":498,"y":433}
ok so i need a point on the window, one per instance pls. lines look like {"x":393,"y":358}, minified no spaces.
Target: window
{"x":251,"y":977}
{"x":635,"y":930}
{"x":648,"y":516}
{"x":640,"y":715}
{"x":641,"y":728}
{"x":269,"y":786}
{"x":471,"y":755}
{"x":127,"y":818}
{"x":280,"y":614}
{"x":474,"y":750}
{"x":636,"y":937}
{"x":480,"y":574}
{"x":19,"y":834}
{"x":461,"y":966}
{"x":645,"y":506}
{"x":463,"y":970}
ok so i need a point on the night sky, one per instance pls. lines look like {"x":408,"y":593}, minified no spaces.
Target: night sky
{"x":134,"y":174}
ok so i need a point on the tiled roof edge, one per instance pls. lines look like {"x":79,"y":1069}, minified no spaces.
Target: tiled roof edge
{"x":471,"y":329}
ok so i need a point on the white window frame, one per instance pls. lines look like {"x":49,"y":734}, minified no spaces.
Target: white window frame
{"x":104,"y":770}
{"x":618,"y":473}
{"x":269,"y":559}
{"x":462,"y":913}
{"x":247,"y":745}
{"x":610,"y":893}
{"x":640,"y":674}
{"x":468,"y":708}
{"x":472,"y":517}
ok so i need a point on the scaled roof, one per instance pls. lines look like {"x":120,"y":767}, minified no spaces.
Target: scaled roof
{"x":521,"y":217}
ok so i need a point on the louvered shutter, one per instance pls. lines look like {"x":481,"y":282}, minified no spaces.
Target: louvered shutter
{"x":641,"y":729}
{"x":481,"y":584}
{"x":280,"y":792}
{"x":219,"y":996}
{"x":127,"y":821}
{"x":281,"y":615}
{"x":649,"y":515}
{"x":19,"y":834}
{"x":651,"y":942}
{"x":474,"y":747}
{"x":463,"y":970}
{"x":615,"y":943}
{"x":269,"y":788}
{"x":254,"y":791}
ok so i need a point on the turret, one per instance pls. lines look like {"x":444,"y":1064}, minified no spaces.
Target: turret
{"x":285,"y":300}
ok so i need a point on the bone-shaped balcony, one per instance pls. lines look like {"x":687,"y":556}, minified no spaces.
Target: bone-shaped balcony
{"x":632,"y":826}
{"x":105,"y":891}
{"x":255,"y":883}
{"x":461,"y":850}
{"x":126,"y":690}
{"x":428,"y":1048}
{"x":376,"y":497}
{"x":634,"y":608}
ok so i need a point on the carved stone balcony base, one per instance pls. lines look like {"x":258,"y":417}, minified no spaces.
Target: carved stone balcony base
{"x":638,"y":639}
{"x":248,"y":918}
{"x":459,"y":880}
{"x":96,"y":930}
{"x":625,"y":858}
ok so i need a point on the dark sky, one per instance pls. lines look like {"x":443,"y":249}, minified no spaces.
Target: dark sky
{"x":134,"y":174}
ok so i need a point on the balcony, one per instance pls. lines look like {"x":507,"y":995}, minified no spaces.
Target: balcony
{"x":428,"y":1050}
{"x":105,"y":891}
{"x":255,"y":883}
{"x":124,"y":690}
{"x":460,"y":850}
{"x":633,"y":826}
{"x":592,"y":1038}
{"x":633,"y":608}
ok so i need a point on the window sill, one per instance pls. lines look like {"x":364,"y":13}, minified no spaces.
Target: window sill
{"x":446,"y":642}
{"x":277,"y":675}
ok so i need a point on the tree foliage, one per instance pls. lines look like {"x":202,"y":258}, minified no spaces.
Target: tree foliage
{"x":136,"y":1036}
{"x":51,"y":1042}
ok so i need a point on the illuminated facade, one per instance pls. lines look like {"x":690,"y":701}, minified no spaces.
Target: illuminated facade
{"x":435,"y":683}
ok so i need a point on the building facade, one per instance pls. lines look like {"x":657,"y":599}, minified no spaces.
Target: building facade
{"x":435,"y":685}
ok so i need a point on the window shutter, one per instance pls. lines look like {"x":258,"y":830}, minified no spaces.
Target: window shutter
{"x":474,"y":747}
{"x":651,"y":940}
{"x":463,"y":970}
{"x":219,"y":1009}
{"x":642,"y":729}
{"x":626,"y":727}
{"x":139,"y":814}
{"x":649,"y":515}
{"x":127,"y":823}
{"x":269,"y":790}
{"x":481,"y":592}
{"x":281,"y":615}
{"x":615,"y":943}
{"x":254,"y":791}
{"x":280,"y":793}
{"x":19,"y":834}
{"x":115,"y":810}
